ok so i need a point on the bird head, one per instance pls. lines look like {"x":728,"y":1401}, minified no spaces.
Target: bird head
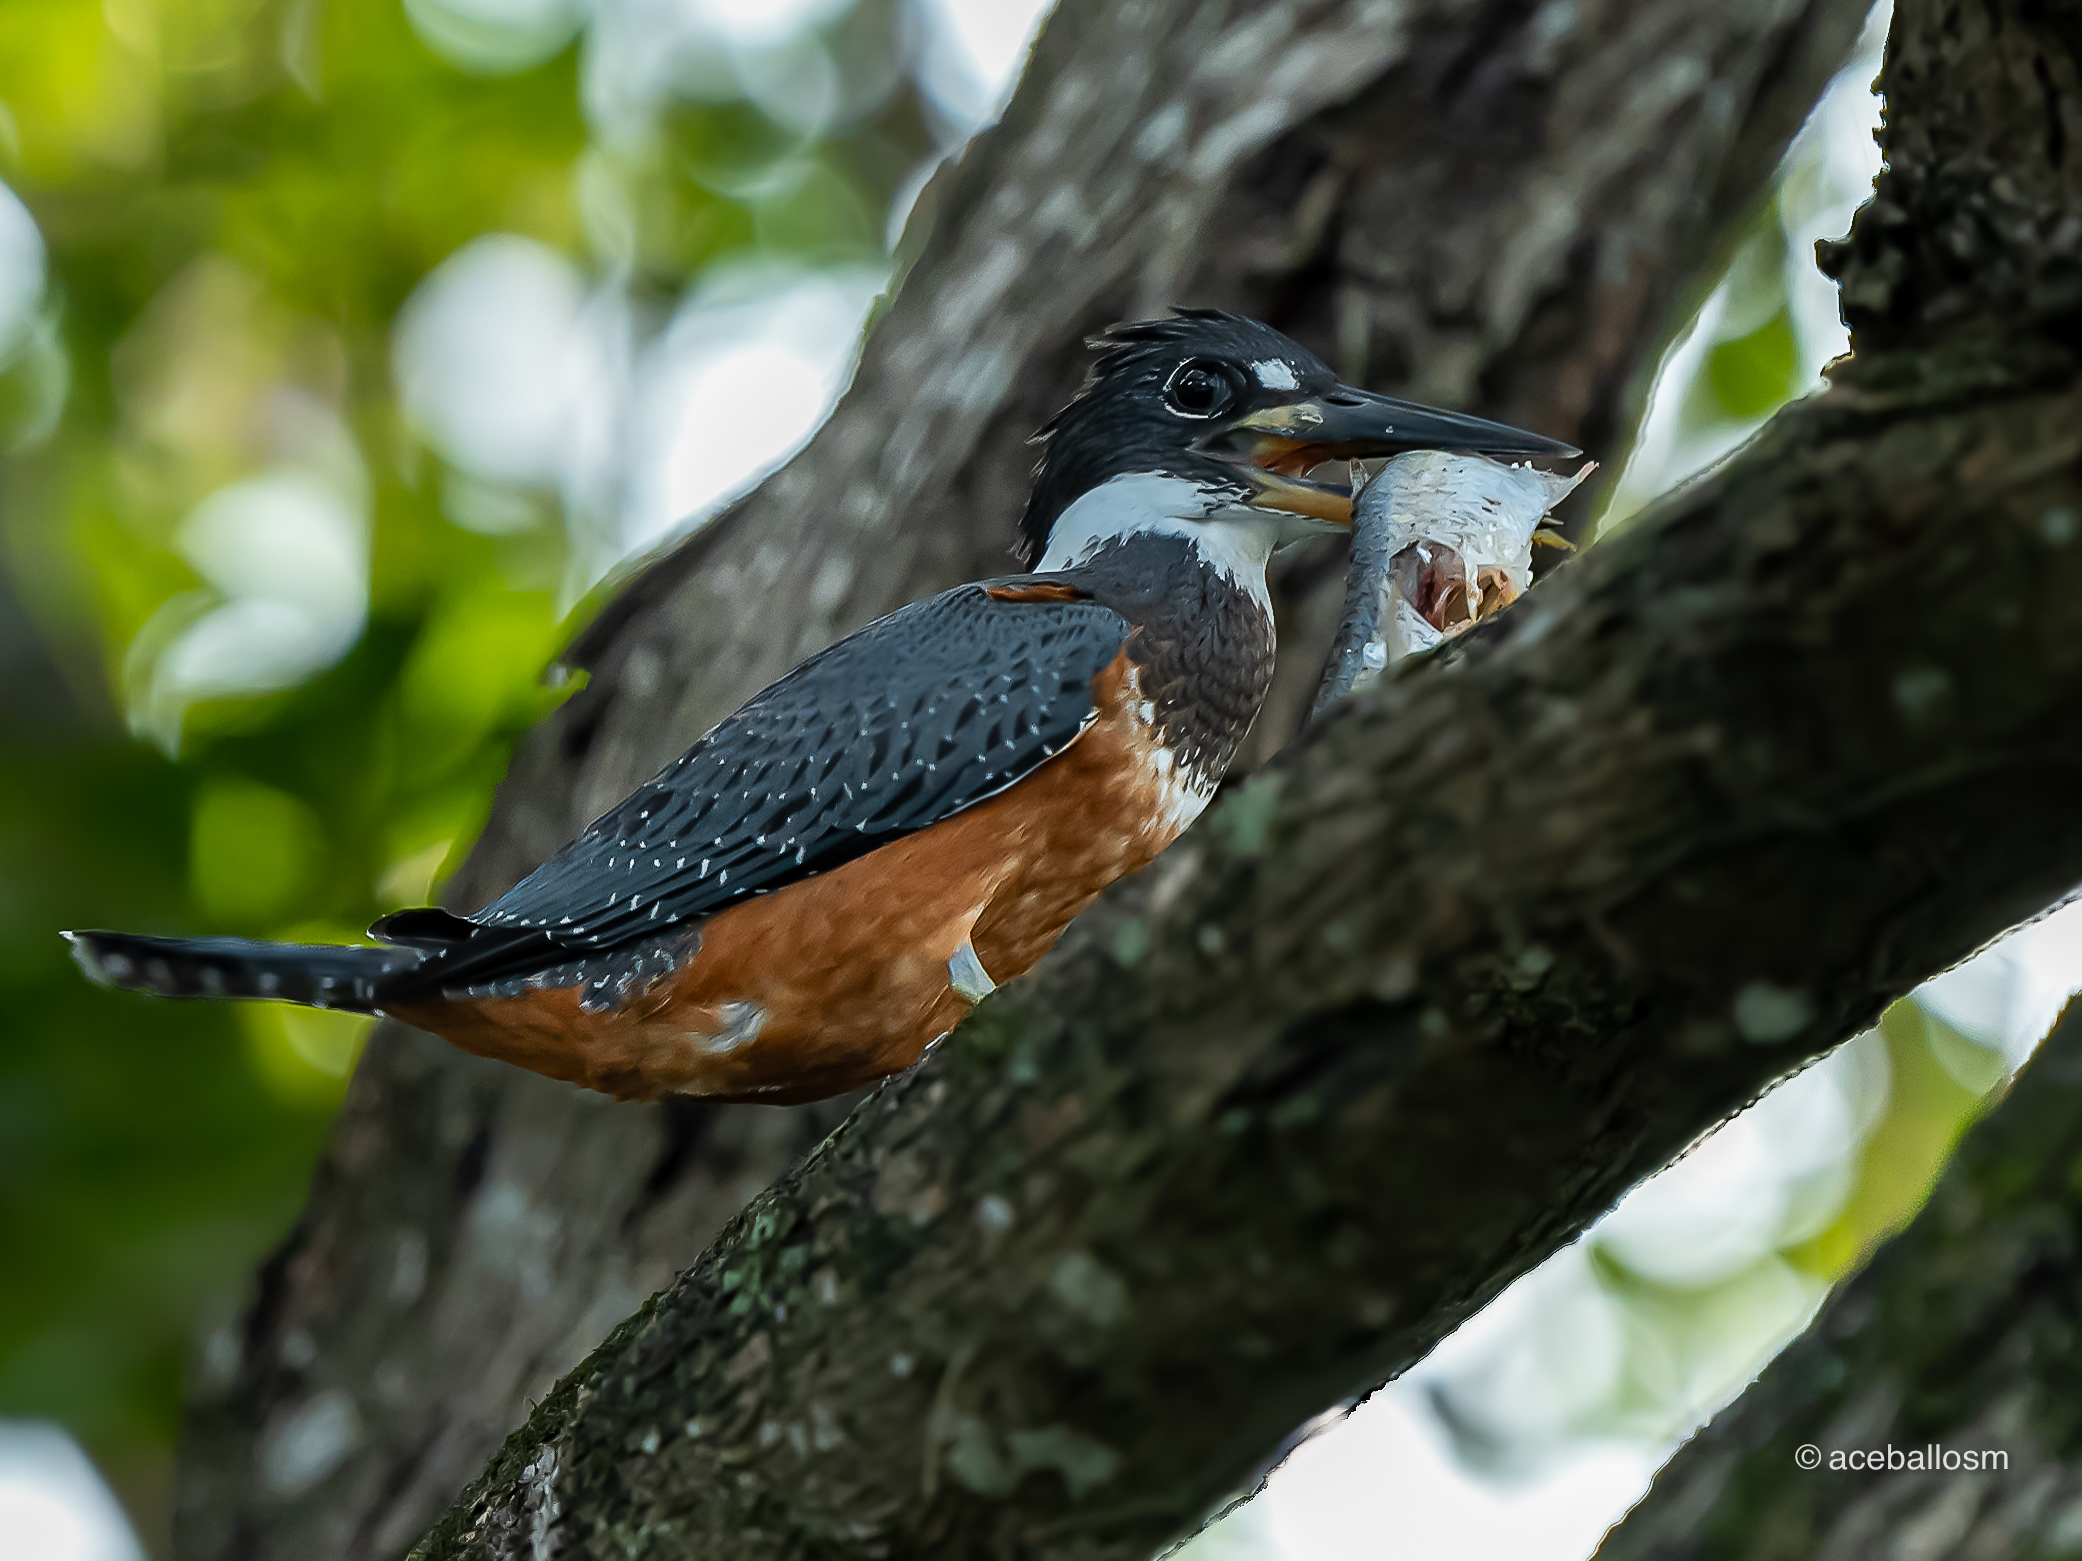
{"x":1211,"y":417}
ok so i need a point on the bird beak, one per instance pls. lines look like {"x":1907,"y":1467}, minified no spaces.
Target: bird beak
{"x":1276,"y":447}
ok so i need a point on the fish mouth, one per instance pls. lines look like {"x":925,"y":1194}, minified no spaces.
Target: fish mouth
{"x":1434,"y":580}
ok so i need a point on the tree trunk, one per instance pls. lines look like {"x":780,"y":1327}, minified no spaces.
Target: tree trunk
{"x":1958,"y":1341}
{"x":1961,"y":1336}
{"x":1422,"y":1000}
{"x":1498,"y":206}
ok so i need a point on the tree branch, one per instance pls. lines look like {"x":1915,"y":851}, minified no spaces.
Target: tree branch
{"x":1962,"y":1331}
{"x":1422,"y":1000}
{"x":1458,"y":200}
{"x":1959,"y":1336}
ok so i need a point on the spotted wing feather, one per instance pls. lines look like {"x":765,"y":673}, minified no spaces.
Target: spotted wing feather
{"x":919,"y":715}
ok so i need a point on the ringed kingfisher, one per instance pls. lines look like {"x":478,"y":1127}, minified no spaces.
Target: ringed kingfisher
{"x":830,"y":878}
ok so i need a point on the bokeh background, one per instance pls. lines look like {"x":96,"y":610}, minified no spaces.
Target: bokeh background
{"x":346,"y":352}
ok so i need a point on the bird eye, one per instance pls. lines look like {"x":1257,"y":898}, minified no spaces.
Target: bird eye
{"x":1197,"y":390}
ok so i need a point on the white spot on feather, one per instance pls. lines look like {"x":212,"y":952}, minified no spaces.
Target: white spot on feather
{"x":1275,"y":375}
{"x":1182,"y":796}
{"x":742,"y":1023}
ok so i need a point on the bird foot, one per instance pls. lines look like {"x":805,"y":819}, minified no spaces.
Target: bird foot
{"x":965,"y":973}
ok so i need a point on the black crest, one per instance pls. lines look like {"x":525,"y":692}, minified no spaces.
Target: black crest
{"x":1124,"y":420}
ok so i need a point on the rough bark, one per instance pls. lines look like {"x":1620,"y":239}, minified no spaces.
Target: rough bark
{"x":1963,"y":1332}
{"x":1499,"y":205}
{"x":1492,"y":943}
{"x":1960,"y":1338}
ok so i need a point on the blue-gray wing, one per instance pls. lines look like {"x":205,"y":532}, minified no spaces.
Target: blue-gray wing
{"x":918,"y":716}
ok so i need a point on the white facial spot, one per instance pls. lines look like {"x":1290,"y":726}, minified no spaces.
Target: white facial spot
{"x":1275,"y":375}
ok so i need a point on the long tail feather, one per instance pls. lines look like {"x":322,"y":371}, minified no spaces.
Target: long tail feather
{"x":318,"y":975}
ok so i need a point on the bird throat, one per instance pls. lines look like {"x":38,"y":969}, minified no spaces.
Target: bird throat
{"x":1235,"y":543}
{"x":1203,"y":641}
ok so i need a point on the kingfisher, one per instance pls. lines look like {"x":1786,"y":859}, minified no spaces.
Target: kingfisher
{"x":830,"y":878}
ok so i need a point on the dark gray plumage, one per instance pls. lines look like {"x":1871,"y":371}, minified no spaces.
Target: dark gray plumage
{"x":921,"y":714}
